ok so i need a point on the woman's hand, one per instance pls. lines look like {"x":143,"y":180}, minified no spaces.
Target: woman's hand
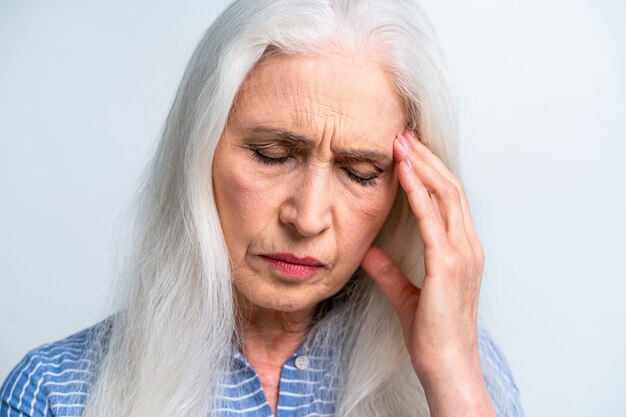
{"x":440,"y":320}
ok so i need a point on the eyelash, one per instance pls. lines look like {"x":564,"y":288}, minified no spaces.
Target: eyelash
{"x":264,"y":159}
{"x":258,"y":156}
{"x":363,"y":181}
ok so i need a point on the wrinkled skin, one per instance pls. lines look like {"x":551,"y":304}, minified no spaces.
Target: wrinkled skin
{"x":310,"y":163}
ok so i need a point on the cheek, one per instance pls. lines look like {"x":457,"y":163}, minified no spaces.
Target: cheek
{"x":243,"y":204}
{"x":364,"y":215}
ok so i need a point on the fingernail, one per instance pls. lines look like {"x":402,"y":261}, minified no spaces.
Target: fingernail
{"x":408,"y":162}
{"x":403,"y":140}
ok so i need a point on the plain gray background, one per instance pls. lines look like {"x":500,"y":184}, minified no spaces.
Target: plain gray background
{"x":85,"y":87}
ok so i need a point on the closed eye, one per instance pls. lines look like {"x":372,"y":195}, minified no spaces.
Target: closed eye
{"x":364,"y":181}
{"x":268,"y":160}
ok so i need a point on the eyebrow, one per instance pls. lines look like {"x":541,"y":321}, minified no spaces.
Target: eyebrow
{"x":297,"y":139}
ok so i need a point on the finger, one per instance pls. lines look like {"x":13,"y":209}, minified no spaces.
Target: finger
{"x":428,"y":218}
{"x":421,"y":149}
{"x":399,"y":290}
{"x":446,"y":193}
{"x":433,"y":198}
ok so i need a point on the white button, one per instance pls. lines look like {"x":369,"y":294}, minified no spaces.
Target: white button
{"x":302,"y":362}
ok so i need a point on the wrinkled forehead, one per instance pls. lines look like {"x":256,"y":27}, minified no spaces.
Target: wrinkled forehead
{"x":344,"y":99}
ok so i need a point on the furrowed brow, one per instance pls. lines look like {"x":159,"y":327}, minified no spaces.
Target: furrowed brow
{"x":345,"y":155}
{"x":378,"y":160}
{"x":286,"y":135}
{"x":364,"y":155}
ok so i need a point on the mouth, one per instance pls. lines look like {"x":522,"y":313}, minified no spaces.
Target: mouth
{"x":292,"y":266}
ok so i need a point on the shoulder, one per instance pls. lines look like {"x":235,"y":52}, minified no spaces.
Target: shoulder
{"x":52,"y":379}
{"x":498,"y":377}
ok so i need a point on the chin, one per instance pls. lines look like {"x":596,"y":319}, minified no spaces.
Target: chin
{"x":271,"y":298}
{"x":264,"y":290}
{"x":285,"y":303}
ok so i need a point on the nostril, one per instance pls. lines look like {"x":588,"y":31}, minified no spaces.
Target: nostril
{"x":306,"y":219}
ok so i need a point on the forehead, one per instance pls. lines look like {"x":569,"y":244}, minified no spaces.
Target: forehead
{"x":336,"y":99}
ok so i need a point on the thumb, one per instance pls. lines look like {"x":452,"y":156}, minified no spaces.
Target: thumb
{"x":402,"y":293}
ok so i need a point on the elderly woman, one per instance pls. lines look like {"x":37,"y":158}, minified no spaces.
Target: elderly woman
{"x":303,"y":245}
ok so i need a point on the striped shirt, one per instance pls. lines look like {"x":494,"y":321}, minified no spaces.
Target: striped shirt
{"x":53,"y":380}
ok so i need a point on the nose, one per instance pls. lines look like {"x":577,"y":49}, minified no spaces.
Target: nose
{"x":308,"y":208}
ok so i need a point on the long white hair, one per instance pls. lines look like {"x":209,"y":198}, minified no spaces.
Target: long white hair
{"x":166,"y":350}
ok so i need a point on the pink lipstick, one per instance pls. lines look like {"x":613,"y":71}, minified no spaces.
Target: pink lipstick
{"x":292,"y":266}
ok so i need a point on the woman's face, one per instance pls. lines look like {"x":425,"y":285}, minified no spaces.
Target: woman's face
{"x":304,"y":177}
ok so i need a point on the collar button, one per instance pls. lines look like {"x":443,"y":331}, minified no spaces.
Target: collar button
{"x":302,"y":362}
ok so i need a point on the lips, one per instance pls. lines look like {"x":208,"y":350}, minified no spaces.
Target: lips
{"x":292,"y":266}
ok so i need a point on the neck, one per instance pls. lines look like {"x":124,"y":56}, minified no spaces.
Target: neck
{"x":269,"y":336}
